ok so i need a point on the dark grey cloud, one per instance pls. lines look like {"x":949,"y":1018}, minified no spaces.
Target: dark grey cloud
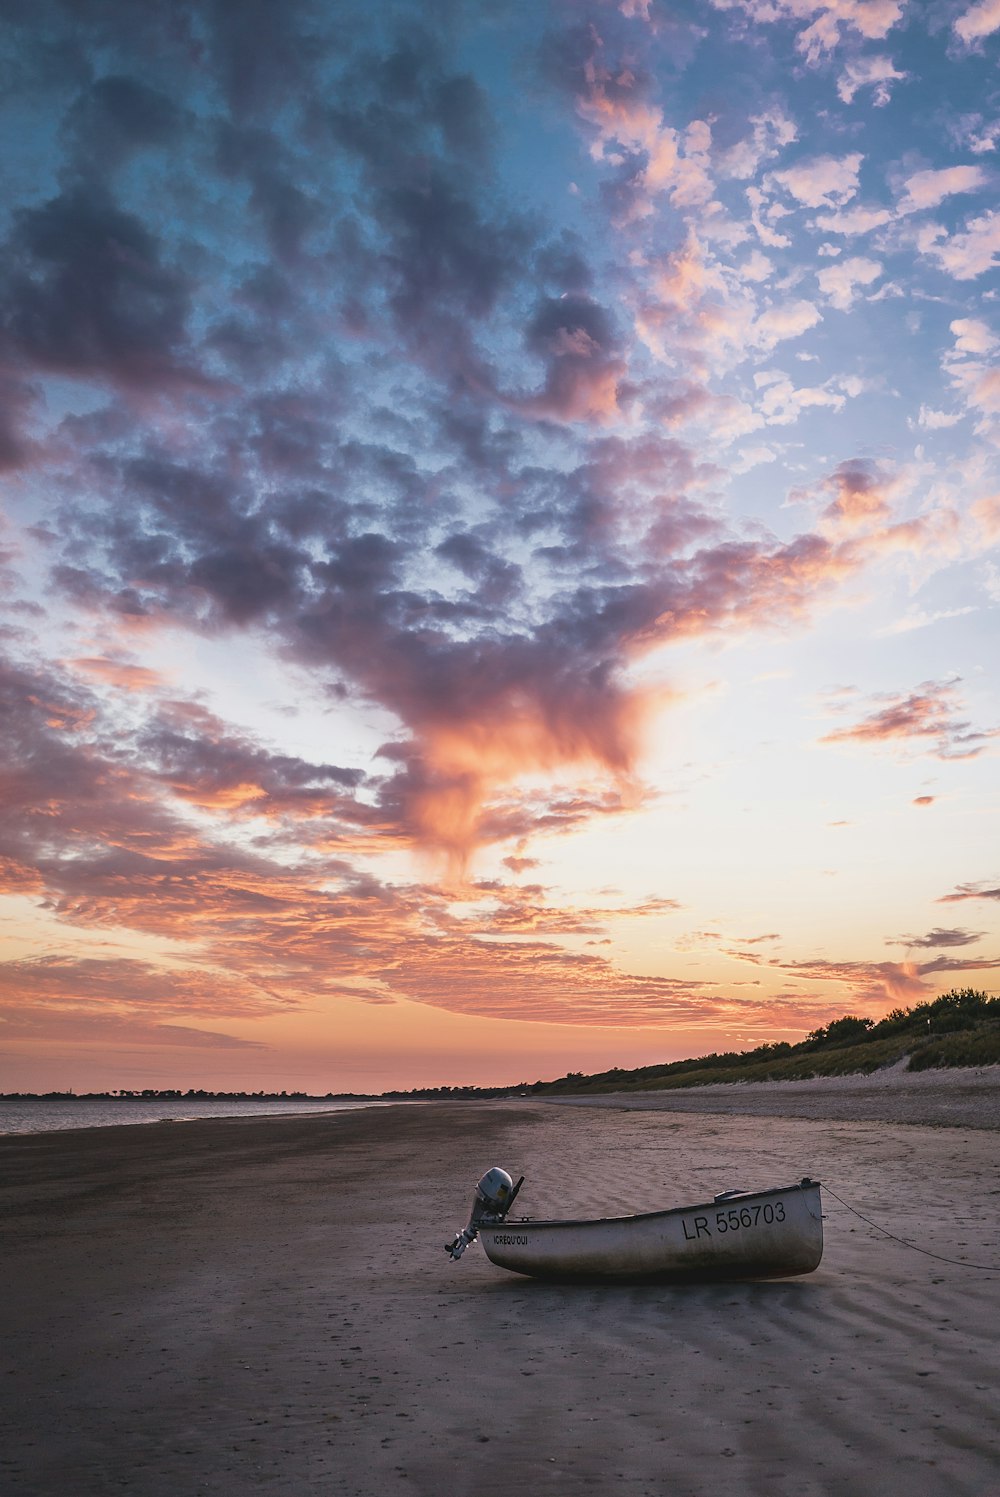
{"x":116,"y":116}
{"x":939,"y":938}
{"x":287,"y":213}
{"x":86,"y":292}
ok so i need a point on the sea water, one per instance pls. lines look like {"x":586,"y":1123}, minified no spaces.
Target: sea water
{"x":51,"y":1114}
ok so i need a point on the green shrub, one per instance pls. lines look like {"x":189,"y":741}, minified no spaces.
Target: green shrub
{"x":976,"y":1047}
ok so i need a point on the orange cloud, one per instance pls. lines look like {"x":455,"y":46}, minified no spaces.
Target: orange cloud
{"x":463,"y":763}
{"x":118,"y":673}
{"x":858,"y":496}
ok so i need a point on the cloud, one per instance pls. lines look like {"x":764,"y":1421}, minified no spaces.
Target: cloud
{"x":977,"y":134}
{"x":840,"y":282}
{"x":978,"y":21}
{"x":822,"y":181}
{"x":87,"y":292}
{"x":108,"y":851}
{"x":972,"y":336}
{"x":45,"y":1029}
{"x":547,"y":983}
{"x":937,"y":420}
{"x":771,"y":131}
{"x":973,"y":373}
{"x":926,"y":189}
{"x":613,"y":97}
{"x":876,"y":72}
{"x":781,"y":402}
{"x":308,"y":360}
{"x":857,"y":220}
{"x":526,"y":910}
{"x":858,"y":495}
{"x":970,"y":891}
{"x":929,"y":713}
{"x":986,"y":513}
{"x":763,"y":212}
{"x":938,"y":938}
{"x":919,"y":619}
{"x":112,"y":988}
{"x":779,"y":323}
{"x":967,"y":254}
{"x":114,"y":118}
{"x":865,"y":982}
{"x":828,"y":19}
{"x":18,"y":396}
{"x":584,"y":372}
{"x":430,"y":621}
{"x":877,"y":984}
{"x":117,"y":672}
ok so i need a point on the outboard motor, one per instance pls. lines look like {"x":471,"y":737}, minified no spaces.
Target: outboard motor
{"x":495,"y":1194}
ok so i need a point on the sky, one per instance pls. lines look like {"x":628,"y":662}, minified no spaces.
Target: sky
{"x":501,"y":533}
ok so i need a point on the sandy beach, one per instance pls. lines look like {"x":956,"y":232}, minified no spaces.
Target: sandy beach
{"x":237,"y":1306}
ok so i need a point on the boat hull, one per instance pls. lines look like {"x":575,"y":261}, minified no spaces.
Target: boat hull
{"x":765,"y":1234}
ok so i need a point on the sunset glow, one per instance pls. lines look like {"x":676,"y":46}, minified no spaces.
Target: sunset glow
{"x":501,"y":534}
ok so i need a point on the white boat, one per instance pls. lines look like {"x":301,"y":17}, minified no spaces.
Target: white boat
{"x":764,"y":1234}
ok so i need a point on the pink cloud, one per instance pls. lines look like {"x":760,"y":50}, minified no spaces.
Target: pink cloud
{"x":877,"y":984}
{"x":929,"y":713}
{"x":926,"y":189}
{"x":972,"y":336}
{"x":841,"y":282}
{"x":822,"y":181}
{"x":125,"y":986}
{"x":872,"y":19}
{"x":876,"y":72}
{"x":123,"y":674}
{"x":972,"y":371}
{"x":858,"y":495}
{"x":986,"y":513}
{"x":778,"y":324}
{"x":763,"y":214}
{"x":585,"y":373}
{"x":781,"y":403}
{"x":771,"y":131}
{"x":849,"y":221}
{"x":970,"y":891}
{"x":979,"y":21}
{"x":967,"y":254}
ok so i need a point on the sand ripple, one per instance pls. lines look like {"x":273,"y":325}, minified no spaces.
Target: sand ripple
{"x":226,"y":1308}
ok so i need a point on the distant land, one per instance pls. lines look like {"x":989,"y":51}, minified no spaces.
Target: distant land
{"x":961,"y":1028}
{"x":191,"y":1094}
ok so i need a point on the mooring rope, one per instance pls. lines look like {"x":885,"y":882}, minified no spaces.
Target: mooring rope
{"x":959,"y":1262}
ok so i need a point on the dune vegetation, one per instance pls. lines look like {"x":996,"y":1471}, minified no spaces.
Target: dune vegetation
{"x":961,"y":1028}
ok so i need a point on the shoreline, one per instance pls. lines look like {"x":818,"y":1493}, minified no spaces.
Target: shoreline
{"x":954,"y":1097}
{"x":23,"y":1109}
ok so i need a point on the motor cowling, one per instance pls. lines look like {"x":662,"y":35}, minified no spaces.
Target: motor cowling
{"x":495,"y":1193}
{"x":494,"y":1190}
